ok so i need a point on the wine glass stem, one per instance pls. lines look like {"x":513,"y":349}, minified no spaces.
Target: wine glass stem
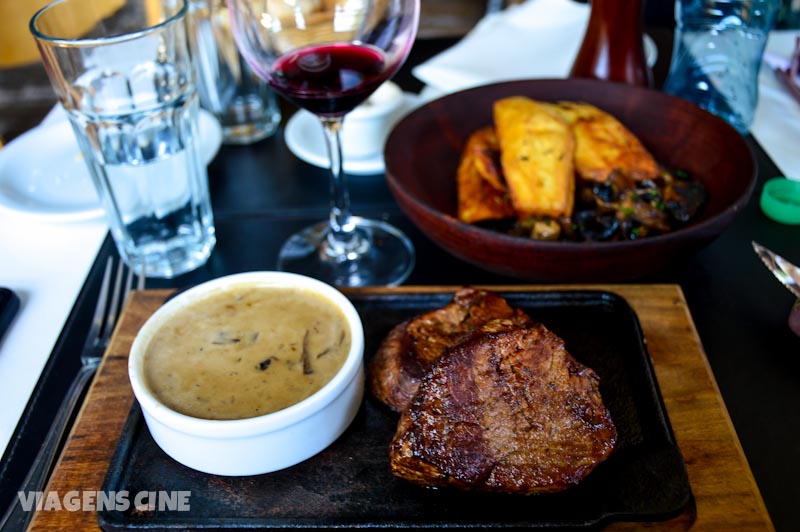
{"x":344,"y":243}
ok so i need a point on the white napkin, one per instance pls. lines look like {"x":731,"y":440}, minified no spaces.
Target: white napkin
{"x":535,"y":39}
{"x":45,"y":264}
{"x":777,"y":120}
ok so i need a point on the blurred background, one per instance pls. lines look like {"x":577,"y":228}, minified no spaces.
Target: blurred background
{"x":26,"y":95}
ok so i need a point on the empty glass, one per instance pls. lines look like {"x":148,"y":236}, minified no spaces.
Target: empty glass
{"x":244,"y":105}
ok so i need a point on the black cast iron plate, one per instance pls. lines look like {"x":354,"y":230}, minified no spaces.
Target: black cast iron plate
{"x":350,"y":485}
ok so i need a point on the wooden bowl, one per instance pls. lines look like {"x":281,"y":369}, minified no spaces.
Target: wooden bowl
{"x":423,"y":151}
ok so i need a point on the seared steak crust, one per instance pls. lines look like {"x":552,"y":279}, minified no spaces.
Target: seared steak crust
{"x":394,"y":372}
{"x":431,"y":333}
{"x":410,"y":348}
{"x":506,"y":410}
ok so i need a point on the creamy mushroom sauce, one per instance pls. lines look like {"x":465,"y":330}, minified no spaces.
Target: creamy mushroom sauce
{"x":246,"y":351}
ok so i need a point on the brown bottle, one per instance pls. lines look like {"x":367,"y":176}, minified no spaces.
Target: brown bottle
{"x":612,"y":48}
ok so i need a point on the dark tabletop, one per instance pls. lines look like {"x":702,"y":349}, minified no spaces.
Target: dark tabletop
{"x":262,"y":193}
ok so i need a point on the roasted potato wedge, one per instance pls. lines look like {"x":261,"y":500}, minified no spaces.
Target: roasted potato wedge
{"x":537,"y":150}
{"x":485,"y":153}
{"x":603,"y":144}
{"x":482,"y":194}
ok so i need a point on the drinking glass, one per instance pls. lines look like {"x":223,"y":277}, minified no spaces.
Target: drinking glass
{"x":328,"y":56}
{"x":245,"y":107}
{"x":717,"y":55}
{"x":123,"y":73}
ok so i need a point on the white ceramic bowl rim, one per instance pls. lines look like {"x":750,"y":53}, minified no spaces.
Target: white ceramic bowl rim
{"x":237,"y":428}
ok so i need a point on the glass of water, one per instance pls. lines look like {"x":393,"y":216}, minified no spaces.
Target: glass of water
{"x":717,"y":55}
{"x":123,"y":72}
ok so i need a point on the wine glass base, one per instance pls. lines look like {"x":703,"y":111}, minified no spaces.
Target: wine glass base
{"x":386,"y":258}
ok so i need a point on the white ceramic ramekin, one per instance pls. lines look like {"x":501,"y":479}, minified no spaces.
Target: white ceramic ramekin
{"x":366,"y":127}
{"x":260,"y":444}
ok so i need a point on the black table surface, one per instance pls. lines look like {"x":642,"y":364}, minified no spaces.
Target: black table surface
{"x":262,"y":193}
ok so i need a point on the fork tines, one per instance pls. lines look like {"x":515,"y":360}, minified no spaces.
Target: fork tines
{"x":100,"y":330}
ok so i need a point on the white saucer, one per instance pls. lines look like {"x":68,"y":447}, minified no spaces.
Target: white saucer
{"x":305,"y":139}
{"x":42,"y":172}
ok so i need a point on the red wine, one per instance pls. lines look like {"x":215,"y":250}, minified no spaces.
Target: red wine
{"x":329,"y":79}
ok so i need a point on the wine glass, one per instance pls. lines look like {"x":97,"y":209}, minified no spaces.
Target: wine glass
{"x":328,"y":56}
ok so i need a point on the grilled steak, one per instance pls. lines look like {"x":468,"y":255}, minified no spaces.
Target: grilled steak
{"x":395,"y":372}
{"x":410,"y":348}
{"x":505,"y":410}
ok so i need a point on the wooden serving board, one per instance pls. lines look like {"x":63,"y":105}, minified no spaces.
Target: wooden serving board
{"x":725,"y":494}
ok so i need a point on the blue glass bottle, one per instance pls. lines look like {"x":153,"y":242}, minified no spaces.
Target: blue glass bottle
{"x":717,"y":55}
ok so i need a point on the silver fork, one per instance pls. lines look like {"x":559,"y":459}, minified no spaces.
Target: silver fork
{"x":105,"y":317}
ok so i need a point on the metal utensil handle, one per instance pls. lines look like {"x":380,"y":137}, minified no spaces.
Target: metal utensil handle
{"x":16,"y":517}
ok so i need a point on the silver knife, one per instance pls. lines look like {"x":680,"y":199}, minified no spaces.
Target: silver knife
{"x":786,"y":272}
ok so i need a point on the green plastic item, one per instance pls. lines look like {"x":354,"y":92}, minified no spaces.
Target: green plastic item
{"x":780,"y":200}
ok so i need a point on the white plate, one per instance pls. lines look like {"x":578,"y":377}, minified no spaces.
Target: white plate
{"x":42,"y":172}
{"x":304,"y":138}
